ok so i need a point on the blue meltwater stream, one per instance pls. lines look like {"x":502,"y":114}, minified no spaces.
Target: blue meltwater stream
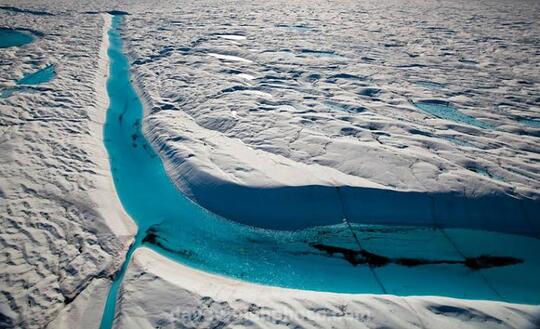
{"x":346,"y":258}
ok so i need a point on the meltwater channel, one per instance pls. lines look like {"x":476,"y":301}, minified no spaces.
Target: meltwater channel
{"x":343,"y":258}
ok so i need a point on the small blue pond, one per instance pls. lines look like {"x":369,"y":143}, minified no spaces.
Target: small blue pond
{"x":14,"y":38}
{"x":46,"y":74}
{"x":534,"y":123}
{"x":428,"y":84}
{"x":443,"y":110}
{"x":347,"y":258}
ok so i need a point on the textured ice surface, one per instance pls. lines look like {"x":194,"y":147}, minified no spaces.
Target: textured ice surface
{"x":272,"y":109}
{"x":335,"y":101}
{"x":61,"y":225}
{"x":180,"y":229}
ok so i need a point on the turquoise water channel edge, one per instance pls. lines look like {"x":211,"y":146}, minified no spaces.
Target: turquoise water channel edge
{"x":175,"y":227}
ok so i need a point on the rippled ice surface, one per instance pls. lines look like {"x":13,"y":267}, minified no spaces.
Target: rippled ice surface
{"x":400,"y":97}
{"x":178,"y":228}
{"x":397,"y":96}
{"x":285,"y":108}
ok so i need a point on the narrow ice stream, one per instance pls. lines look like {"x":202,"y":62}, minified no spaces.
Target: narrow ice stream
{"x":346,"y":258}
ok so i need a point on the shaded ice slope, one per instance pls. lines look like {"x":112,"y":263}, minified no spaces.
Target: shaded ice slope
{"x":260,"y":110}
{"x":160,"y":293}
{"x":236,"y":181}
{"x":63,"y":231}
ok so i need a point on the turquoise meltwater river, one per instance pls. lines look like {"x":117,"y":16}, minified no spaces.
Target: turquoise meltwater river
{"x":345,"y":258}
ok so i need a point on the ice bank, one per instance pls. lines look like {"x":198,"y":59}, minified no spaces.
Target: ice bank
{"x":265,"y":190}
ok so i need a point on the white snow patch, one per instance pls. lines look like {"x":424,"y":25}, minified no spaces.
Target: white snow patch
{"x":245,"y":76}
{"x":229,"y":58}
{"x":232,"y":37}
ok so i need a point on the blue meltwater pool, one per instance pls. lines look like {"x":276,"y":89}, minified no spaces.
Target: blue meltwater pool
{"x":14,"y":38}
{"x":43,"y":75}
{"x":444,"y":110}
{"x":344,"y":258}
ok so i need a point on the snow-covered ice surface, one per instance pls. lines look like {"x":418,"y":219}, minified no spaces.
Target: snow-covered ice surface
{"x":418,"y":110}
{"x":63,"y":230}
{"x":316,"y":95}
{"x":159,"y":293}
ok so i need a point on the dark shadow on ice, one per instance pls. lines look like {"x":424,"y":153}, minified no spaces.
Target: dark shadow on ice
{"x":111,"y":12}
{"x":25,"y":11}
{"x":299,"y":207}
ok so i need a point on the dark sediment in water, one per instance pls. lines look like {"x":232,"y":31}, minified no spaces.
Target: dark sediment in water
{"x":364,"y":257}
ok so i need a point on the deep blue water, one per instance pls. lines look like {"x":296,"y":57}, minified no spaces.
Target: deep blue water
{"x":43,"y":75}
{"x":14,"y":38}
{"x":443,"y":110}
{"x":174,"y":226}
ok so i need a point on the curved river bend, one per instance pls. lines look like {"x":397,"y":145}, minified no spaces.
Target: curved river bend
{"x":344,"y":257}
